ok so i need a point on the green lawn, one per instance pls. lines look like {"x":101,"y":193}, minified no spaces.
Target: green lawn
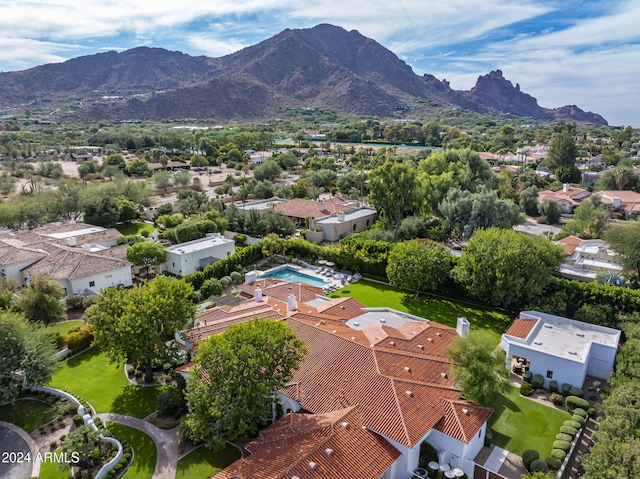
{"x":144,"y":451}
{"x":519,"y":423}
{"x":91,"y":376}
{"x":134,"y":228}
{"x":63,"y":328}
{"x":28,"y":414}
{"x":441,"y":310}
{"x":49,"y":470}
{"x":202,"y":463}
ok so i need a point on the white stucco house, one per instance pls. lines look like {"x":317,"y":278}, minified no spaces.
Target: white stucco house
{"x":186,"y":258}
{"x":561,"y":349}
{"x":587,"y":258}
{"x":344,"y":223}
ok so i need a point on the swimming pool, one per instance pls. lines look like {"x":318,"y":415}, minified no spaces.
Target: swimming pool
{"x":292,"y":275}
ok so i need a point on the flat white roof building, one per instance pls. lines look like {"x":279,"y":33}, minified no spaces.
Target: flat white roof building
{"x":187,"y":258}
{"x":561,"y":349}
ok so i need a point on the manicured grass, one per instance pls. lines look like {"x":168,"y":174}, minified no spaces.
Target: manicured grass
{"x":144,"y":450}
{"x":202,"y":463}
{"x":519,"y":423}
{"x":63,"y":328}
{"x":91,"y":376}
{"x":134,"y":228}
{"x":49,"y":470}
{"x":27,"y":414}
{"x":441,"y":310}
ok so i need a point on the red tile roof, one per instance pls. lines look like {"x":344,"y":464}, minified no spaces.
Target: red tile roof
{"x":462,"y":420}
{"x":570,"y":243}
{"x":521,"y":328}
{"x":301,"y":209}
{"x":343,"y":308}
{"x":333,"y":445}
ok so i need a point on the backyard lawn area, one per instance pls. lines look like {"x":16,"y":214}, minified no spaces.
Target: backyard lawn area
{"x":520,"y":423}
{"x":49,"y":470}
{"x":144,"y":450}
{"x":202,"y":463}
{"x":134,"y":228}
{"x":91,"y":376}
{"x":441,"y":310}
{"x":64,"y":327}
{"x":28,"y":414}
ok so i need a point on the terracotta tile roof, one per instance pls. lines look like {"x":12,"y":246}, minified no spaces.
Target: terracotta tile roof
{"x":521,"y":328}
{"x":339,"y":372}
{"x":627,"y":197}
{"x":333,"y":445}
{"x":259,"y":283}
{"x":301,"y":209}
{"x":343,"y":308}
{"x":64,"y":263}
{"x":10,"y":254}
{"x":302,"y":291}
{"x":570,"y":243}
{"x":463,"y":420}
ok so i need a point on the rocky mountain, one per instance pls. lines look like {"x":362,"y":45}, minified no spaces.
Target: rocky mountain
{"x":324,"y":66}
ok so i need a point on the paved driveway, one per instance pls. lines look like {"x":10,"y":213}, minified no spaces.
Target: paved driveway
{"x":13,"y":448}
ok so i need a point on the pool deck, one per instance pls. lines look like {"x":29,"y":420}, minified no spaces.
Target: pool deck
{"x":331,"y":278}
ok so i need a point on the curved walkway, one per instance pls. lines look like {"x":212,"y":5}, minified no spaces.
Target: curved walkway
{"x":19,"y":470}
{"x":166,"y":441}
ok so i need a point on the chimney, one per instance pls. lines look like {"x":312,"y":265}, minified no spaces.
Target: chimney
{"x":250,"y":277}
{"x":321,"y":205}
{"x":616,"y":201}
{"x":292,"y":304}
{"x":340,"y":217}
{"x":257,"y":295}
{"x":565,"y":187}
{"x":463,"y":326}
{"x":71,"y":241}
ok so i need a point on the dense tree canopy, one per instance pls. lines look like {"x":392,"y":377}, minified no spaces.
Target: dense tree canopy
{"x":146,"y":254}
{"x":625,"y":241}
{"x":481,"y":375}
{"x":26,"y":348}
{"x":135,"y":324}
{"x":419,"y":266}
{"x":40,"y":300}
{"x":506,"y":268}
{"x":563,"y":150}
{"x":231,"y":388}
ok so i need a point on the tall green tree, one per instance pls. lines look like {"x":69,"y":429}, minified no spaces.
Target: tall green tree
{"x":506,"y":268}
{"x":481,"y":374}
{"x":624,"y":238}
{"x":146,"y":254}
{"x":231,"y":388}
{"x":589,"y":220}
{"x":135,"y":324}
{"x":563,"y":151}
{"x":420,"y":266}
{"x":394,"y":192}
{"x":40,"y":300}
{"x":26,"y":349}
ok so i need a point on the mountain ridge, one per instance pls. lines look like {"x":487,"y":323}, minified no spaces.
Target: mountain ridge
{"x":324,"y":66}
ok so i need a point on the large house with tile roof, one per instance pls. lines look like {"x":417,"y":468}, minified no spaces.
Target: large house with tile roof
{"x":624,"y":200}
{"x":569,"y":197}
{"x":587,"y":258}
{"x":82,"y":258}
{"x":386,"y":367}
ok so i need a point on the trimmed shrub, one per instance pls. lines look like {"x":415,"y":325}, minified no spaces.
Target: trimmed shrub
{"x":77,"y":420}
{"x":559,"y":454}
{"x":556,"y":399}
{"x":554,"y":463}
{"x":592,"y":412}
{"x":236,"y":277}
{"x":539,"y":466}
{"x":211,"y":287}
{"x":225,"y":281}
{"x":75,"y":301}
{"x":580,"y":412}
{"x":526,"y":389}
{"x":79,"y":340}
{"x":564,"y":445}
{"x":566,"y":387}
{"x":573,"y":402}
{"x":537,"y":381}
{"x":570,"y":430}
{"x":239,"y":238}
{"x":526,"y":376}
{"x":553,"y":386}
{"x":563,"y":437}
{"x":529,"y":456}
{"x":578,"y":418}
{"x":574,"y":391}
{"x":572,"y":423}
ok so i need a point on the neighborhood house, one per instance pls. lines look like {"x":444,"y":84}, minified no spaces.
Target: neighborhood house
{"x":186,"y":258}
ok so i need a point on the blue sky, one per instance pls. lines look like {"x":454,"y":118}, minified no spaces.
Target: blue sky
{"x":560,"y":51}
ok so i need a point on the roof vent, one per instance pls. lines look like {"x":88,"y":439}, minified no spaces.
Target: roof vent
{"x":409,"y":393}
{"x":438,"y":333}
{"x":548,"y":326}
{"x":392,"y":343}
{"x":465,"y":411}
{"x":444,"y":375}
{"x":580,"y":334}
{"x":345,"y":425}
{"x":382,"y":320}
{"x":538,"y":343}
{"x":328,"y":451}
{"x":407,"y":369}
{"x":322,"y":321}
{"x":573,"y":352}
{"x":353,"y":338}
{"x":312,"y":465}
{"x":430,"y":340}
{"x":356,"y":323}
{"x":295,"y":477}
{"x":420,"y":346}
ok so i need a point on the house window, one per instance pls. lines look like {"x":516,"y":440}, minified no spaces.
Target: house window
{"x":549,"y":374}
{"x":480,"y":433}
{"x":92,"y":284}
{"x":367,"y":222}
{"x":354,"y":227}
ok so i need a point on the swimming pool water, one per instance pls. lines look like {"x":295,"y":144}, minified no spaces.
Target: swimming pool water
{"x":293,"y":276}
